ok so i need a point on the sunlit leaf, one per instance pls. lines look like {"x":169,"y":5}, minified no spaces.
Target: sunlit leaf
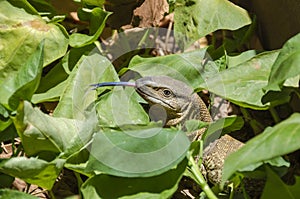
{"x":239,"y":59}
{"x":197,"y":18}
{"x":33,"y":170}
{"x":20,"y":35}
{"x":189,"y":67}
{"x":9,"y":193}
{"x":77,"y":94}
{"x":119,"y":107}
{"x":98,"y":18}
{"x":40,"y":132}
{"x":22,"y":84}
{"x":243,"y":84}
{"x":265,"y":146}
{"x":140,"y":152}
{"x":52,"y":85}
{"x":286,"y":65}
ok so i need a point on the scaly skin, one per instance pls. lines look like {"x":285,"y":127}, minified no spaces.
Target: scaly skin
{"x":181,"y":104}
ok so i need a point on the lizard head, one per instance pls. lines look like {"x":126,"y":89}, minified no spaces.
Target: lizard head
{"x":179,"y":101}
{"x":177,"y":98}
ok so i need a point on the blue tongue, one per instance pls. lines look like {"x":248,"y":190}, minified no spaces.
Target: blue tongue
{"x":95,"y":86}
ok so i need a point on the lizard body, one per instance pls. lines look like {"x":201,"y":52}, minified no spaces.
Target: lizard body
{"x":181,"y":103}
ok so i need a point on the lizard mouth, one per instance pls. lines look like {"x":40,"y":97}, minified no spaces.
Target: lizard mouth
{"x":154,"y":100}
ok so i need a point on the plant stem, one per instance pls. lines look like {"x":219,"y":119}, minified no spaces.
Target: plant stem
{"x":203,"y":184}
{"x":255,"y":125}
{"x":274,"y":114}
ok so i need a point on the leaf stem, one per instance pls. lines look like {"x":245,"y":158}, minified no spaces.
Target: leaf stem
{"x":198,"y":175}
{"x":274,"y":114}
{"x":255,"y":125}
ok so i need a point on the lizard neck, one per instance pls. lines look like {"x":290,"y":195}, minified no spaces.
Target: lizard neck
{"x":194,"y":108}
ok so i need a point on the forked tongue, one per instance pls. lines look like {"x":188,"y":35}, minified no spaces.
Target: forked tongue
{"x":95,"y":86}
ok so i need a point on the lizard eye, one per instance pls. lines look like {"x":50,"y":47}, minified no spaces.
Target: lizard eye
{"x":167,"y":92}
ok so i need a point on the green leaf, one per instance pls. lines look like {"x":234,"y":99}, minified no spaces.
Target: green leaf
{"x":23,"y":83}
{"x":216,"y":128}
{"x":243,"y":84}
{"x":276,"y":98}
{"x":140,"y":152}
{"x":51,"y":95}
{"x":9,"y":193}
{"x":161,"y":186}
{"x":5,"y":181}
{"x":40,"y":132}
{"x":9,"y":133}
{"x":233,"y":61}
{"x":221,"y":126}
{"x":265,"y":146}
{"x":20,"y":35}
{"x":188,"y":67}
{"x":98,"y":3}
{"x":81,"y":140}
{"x":286,"y":65}
{"x":275,"y":188}
{"x":52,"y":85}
{"x":98,"y":18}
{"x":32,"y":170}
{"x":77,"y":94}
{"x":24,"y":4}
{"x":43,"y":7}
{"x":197,"y":18}
{"x":119,"y":107}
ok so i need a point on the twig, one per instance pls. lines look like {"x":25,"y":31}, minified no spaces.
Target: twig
{"x":168,"y":35}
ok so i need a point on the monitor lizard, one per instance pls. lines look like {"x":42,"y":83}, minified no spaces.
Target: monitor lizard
{"x":181,"y":104}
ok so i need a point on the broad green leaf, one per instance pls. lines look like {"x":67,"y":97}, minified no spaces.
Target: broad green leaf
{"x":81,"y":140}
{"x":52,"y":85}
{"x":51,"y":95}
{"x":40,"y":132}
{"x":98,"y":18}
{"x":119,"y":107}
{"x":197,"y":18}
{"x":243,"y":84}
{"x":77,"y":94}
{"x":215,"y":129}
{"x":276,"y":188}
{"x":239,"y":59}
{"x":188,"y":67}
{"x":161,"y":186}
{"x":9,"y":193}
{"x":33,"y":170}
{"x":137,"y":153}
{"x":22,"y":84}
{"x":265,"y":146}
{"x":286,"y":65}
{"x":21,"y":33}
